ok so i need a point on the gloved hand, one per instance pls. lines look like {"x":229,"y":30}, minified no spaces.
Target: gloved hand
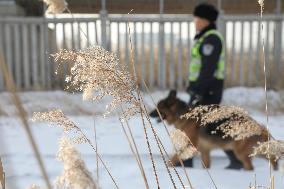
{"x":189,"y":90}
{"x":195,"y":99}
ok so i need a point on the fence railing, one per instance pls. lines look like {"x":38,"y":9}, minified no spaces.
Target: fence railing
{"x":161,"y":47}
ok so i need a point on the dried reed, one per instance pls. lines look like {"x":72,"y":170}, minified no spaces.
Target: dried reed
{"x":183,"y":145}
{"x":97,"y":158}
{"x":140,"y":107}
{"x":11,"y":87}
{"x":170,"y":163}
{"x":75,"y":174}
{"x":55,"y":6}
{"x":149,"y":149}
{"x":160,"y":145}
{"x":94,"y":71}
{"x":233,"y":121}
{"x":271,"y":148}
{"x":143,"y":112}
{"x":168,"y":133}
{"x":134,"y":151}
{"x":97,"y":70}
{"x":261,"y":3}
{"x":2,"y":175}
{"x":57,"y":117}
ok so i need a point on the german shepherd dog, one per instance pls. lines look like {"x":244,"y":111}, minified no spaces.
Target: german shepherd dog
{"x":171,"y":108}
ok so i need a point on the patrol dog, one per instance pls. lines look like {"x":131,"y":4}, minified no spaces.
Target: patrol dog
{"x":171,"y":108}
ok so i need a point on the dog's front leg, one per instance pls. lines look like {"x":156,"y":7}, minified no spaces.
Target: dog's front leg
{"x":205,"y":157}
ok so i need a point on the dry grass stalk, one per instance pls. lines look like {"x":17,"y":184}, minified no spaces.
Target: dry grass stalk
{"x":55,"y":6}
{"x":2,"y":175}
{"x":168,"y":133}
{"x":135,"y":153}
{"x":271,"y":148}
{"x":170,"y":163}
{"x":258,"y":187}
{"x":145,"y":113}
{"x":97,"y":70}
{"x":11,"y":87}
{"x":160,"y":146}
{"x":272,"y":185}
{"x":97,"y":158}
{"x":183,"y":145}
{"x":57,"y":117}
{"x":149,"y":149}
{"x":134,"y":150}
{"x":233,"y":121}
{"x":140,"y":106}
{"x":75,"y":174}
{"x":261,"y":3}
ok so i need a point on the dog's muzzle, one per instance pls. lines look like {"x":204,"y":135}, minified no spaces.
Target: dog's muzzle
{"x":155,"y":114}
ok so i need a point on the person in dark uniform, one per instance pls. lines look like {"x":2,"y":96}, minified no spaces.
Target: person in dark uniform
{"x":207,"y":66}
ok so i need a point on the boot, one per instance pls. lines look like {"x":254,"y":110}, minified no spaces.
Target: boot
{"x":186,"y":163}
{"x":234,"y":162}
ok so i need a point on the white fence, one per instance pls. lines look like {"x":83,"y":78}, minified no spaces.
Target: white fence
{"x":161,"y":47}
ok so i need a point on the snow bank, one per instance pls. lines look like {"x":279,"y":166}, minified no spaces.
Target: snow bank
{"x":252,"y":99}
{"x":22,"y":170}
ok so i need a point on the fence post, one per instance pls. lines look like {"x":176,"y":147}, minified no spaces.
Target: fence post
{"x":221,"y":25}
{"x":278,"y":44}
{"x":103,"y":18}
{"x":2,"y":86}
{"x":221,"y":22}
{"x":49,"y":83}
{"x":161,"y":50}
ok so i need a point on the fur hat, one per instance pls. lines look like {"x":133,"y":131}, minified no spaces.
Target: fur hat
{"x":206,"y":11}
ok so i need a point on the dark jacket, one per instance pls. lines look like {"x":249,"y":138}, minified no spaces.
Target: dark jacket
{"x":206,"y":82}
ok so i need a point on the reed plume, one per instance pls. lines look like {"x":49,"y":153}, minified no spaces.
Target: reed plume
{"x":57,"y":117}
{"x":271,"y":148}
{"x":75,"y":174}
{"x":55,"y":6}
{"x":98,"y":74}
{"x":182,"y":144}
{"x":233,"y":121}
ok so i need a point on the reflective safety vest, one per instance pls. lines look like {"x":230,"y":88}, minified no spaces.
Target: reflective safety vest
{"x":195,"y":63}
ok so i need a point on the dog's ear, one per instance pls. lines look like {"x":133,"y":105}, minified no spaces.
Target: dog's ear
{"x":172,"y":94}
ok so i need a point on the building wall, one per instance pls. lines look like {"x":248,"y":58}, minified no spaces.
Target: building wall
{"x":171,"y":6}
{"x":35,"y":7}
{"x":10,"y":8}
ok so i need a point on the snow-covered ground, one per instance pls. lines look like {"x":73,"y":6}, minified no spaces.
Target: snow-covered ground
{"x":22,"y":170}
